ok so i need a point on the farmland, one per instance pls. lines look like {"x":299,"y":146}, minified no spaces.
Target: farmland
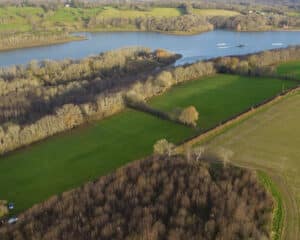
{"x":290,"y":69}
{"x":219,"y":97}
{"x":21,"y":18}
{"x":269,"y":141}
{"x":68,"y":160}
{"x":215,"y":12}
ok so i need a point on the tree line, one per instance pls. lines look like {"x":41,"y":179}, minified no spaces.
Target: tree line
{"x":185,"y":23}
{"x":16,"y":40}
{"x":157,"y":198}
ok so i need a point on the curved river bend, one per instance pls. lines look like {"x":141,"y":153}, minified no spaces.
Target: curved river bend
{"x":196,"y":47}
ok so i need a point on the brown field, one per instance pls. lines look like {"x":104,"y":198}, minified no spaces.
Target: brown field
{"x":270,"y":141}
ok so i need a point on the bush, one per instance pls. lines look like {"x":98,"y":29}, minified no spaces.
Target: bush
{"x":189,"y":116}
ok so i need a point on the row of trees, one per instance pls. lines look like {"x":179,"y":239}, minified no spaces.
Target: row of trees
{"x":186,"y":23}
{"x":260,"y":64}
{"x":255,"y":22}
{"x":157,"y":198}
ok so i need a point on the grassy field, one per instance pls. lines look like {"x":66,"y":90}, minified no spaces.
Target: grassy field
{"x":31,"y":175}
{"x":215,"y":12}
{"x":20,"y":18}
{"x":269,"y":141}
{"x":219,"y":97}
{"x":154,"y":12}
{"x":294,"y":14}
{"x":290,"y":69}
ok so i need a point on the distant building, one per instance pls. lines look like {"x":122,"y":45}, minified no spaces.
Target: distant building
{"x":67,"y":5}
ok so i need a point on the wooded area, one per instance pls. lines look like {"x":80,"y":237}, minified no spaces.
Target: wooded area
{"x":157,"y":198}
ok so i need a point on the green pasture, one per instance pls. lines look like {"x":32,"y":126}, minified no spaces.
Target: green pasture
{"x":68,"y":160}
{"x":289,"y":69}
{"x":220,"y":97}
{"x":215,"y":12}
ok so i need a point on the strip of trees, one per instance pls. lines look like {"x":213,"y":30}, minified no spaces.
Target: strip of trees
{"x":157,"y":198}
{"x":187,"y":23}
{"x":17,"y":40}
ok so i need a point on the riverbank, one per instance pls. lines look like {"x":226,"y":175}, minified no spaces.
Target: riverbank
{"x":34,"y":42}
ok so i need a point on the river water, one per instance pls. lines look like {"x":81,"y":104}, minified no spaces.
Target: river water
{"x":196,"y":47}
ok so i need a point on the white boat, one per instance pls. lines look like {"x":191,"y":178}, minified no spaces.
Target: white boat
{"x":277,"y":44}
{"x":221,"y":44}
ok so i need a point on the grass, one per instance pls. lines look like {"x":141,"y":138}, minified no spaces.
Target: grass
{"x":215,"y":12}
{"x":110,"y":12}
{"x":277,"y":221}
{"x":290,"y":69}
{"x":73,"y":19}
{"x":62,"y":162}
{"x":294,"y":14}
{"x":219,"y":97}
{"x":269,"y":141}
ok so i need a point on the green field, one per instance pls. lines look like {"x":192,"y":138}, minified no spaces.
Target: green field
{"x":269,"y":141}
{"x":154,"y":12}
{"x":215,"y":12}
{"x":21,"y":18}
{"x":294,"y":14}
{"x":289,"y":69}
{"x":62,"y":162}
{"x":219,"y":97}
{"x":68,"y":160}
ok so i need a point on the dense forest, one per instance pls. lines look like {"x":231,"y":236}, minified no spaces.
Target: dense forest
{"x":157,"y":198}
{"x":42,"y":99}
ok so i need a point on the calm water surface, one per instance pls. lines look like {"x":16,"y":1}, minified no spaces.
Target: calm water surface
{"x":196,"y":47}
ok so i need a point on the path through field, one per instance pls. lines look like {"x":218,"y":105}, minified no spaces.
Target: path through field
{"x":270,"y":141}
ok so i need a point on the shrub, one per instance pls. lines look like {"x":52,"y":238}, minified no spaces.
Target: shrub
{"x":189,"y":116}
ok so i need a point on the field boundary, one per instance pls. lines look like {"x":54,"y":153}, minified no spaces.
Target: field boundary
{"x":278,"y":210}
{"x":234,"y":120}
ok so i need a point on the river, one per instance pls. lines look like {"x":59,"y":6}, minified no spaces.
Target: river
{"x":194,"y":47}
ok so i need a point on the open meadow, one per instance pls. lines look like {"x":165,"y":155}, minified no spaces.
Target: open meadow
{"x":220,"y":97}
{"x":289,"y":69}
{"x":68,"y":160}
{"x":269,"y":141}
{"x":215,"y":12}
